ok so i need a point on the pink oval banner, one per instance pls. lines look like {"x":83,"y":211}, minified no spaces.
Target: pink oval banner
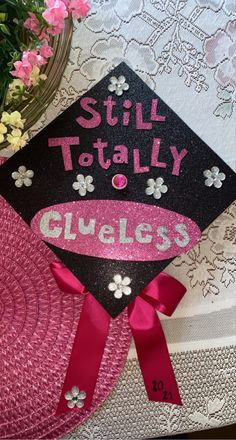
{"x":116,"y":230}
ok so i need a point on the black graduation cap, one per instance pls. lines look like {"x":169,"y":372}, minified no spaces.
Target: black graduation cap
{"x":117,"y":186}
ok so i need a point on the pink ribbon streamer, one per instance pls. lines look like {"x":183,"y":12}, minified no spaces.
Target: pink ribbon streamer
{"x":162,"y":294}
{"x":90,"y":339}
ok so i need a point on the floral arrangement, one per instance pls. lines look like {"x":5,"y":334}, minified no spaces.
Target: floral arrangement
{"x":27,"y":28}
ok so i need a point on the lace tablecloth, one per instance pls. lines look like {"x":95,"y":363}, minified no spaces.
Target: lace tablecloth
{"x":184,"y":51}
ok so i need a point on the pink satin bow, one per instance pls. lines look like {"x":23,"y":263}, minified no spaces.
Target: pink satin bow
{"x":161,"y":294}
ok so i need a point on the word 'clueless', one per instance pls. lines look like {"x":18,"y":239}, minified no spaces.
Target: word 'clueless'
{"x":106,"y":234}
{"x":116,"y":229}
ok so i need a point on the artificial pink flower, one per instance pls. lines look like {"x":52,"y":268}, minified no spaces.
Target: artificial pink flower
{"x":23,"y":68}
{"x":32,"y":23}
{"x":22,"y":71}
{"x":55,"y":13}
{"x":43,"y":35}
{"x":46,"y":51}
{"x":78,"y":8}
{"x":56,"y":30}
{"x":33,"y":57}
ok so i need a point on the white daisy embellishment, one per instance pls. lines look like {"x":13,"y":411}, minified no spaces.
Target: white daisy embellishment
{"x":22,"y":177}
{"x":120,"y":286}
{"x":118,"y":85}
{"x":214,"y":177}
{"x":75,"y":398}
{"x":83,"y":184}
{"x":156,"y":188}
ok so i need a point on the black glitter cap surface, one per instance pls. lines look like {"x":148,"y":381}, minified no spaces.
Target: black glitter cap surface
{"x":195,"y":187}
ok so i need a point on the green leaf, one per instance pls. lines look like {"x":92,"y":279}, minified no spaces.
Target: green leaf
{"x":3,"y":16}
{"x":4,"y":29}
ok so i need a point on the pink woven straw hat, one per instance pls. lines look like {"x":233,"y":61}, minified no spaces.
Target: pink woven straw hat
{"x":37,"y":329}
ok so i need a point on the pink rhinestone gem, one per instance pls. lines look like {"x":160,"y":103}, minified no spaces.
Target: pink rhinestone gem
{"x":119,"y":181}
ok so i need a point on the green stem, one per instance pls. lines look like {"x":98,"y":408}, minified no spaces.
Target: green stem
{"x":4,"y":98}
{"x":9,"y":42}
{"x":10,"y":2}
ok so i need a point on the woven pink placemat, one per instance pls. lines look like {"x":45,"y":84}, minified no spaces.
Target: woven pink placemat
{"x":37,"y":329}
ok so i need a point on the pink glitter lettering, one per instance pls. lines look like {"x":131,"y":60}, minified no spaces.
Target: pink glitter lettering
{"x":122,"y":154}
{"x":85,"y":160}
{"x":140,"y":124}
{"x":109,"y":104}
{"x":137,"y":168}
{"x":155,"y":154}
{"x":154,"y":116}
{"x":126,"y":116}
{"x":96,"y":118}
{"x":127,"y":104}
{"x":178,"y":157}
{"x":65,"y":143}
{"x":100,"y":147}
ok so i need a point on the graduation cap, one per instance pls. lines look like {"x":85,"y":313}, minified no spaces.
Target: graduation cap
{"x":117,"y":186}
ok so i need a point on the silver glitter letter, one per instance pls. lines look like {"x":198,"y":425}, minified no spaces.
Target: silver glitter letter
{"x":123,"y":228}
{"x":181,"y":228}
{"x":163,"y":233}
{"x":68,"y":234}
{"x":45,"y":221}
{"x":106,"y":229}
{"x":89,"y":229}
{"x":143,"y":227}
